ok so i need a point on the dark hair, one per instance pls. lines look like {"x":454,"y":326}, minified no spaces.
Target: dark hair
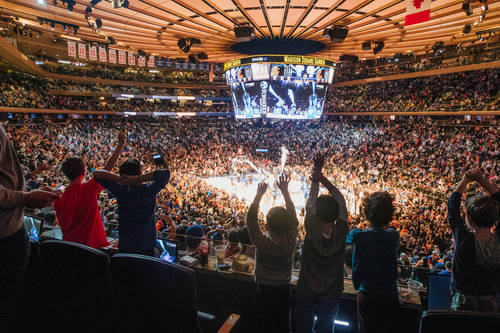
{"x":232,"y":236}
{"x":193,"y":236}
{"x":278,"y":219}
{"x":130,"y":167}
{"x":483,"y":210}
{"x":379,"y":209}
{"x":73,"y":167}
{"x":327,"y":208}
{"x":244,"y":236}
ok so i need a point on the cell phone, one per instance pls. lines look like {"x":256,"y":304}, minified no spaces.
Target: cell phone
{"x":158,"y":159}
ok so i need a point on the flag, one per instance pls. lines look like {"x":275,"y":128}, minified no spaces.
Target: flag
{"x":141,"y":61}
{"x":131,"y":58}
{"x":122,"y":57}
{"x":102,"y":54}
{"x":417,"y":11}
{"x":93,"y":53}
{"x":71,"y":49}
{"x":82,"y":51}
{"x":112,"y":56}
{"x":151,"y":61}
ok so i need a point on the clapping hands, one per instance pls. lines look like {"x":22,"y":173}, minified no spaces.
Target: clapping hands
{"x":318,"y":163}
{"x":261,"y":189}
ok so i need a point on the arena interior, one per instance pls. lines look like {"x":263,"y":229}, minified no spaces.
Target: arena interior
{"x":249,"y":166}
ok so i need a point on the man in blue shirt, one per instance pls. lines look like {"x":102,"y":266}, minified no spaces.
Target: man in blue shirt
{"x":136,"y":204}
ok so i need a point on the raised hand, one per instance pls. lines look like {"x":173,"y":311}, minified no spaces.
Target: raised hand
{"x":474,"y":174}
{"x":39,"y":199}
{"x":283,"y":182}
{"x":261,"y":189}
{"x":318,"y":161}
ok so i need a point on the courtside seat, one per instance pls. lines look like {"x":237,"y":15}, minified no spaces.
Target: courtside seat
{"x":149,"y":292}
{"x":77,"y":288}
{"x":450,"y":321}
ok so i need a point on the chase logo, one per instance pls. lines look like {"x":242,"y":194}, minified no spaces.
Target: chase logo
{"x":263,"y":85}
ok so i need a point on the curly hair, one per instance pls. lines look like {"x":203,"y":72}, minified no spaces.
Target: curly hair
{"x":379,"y":209}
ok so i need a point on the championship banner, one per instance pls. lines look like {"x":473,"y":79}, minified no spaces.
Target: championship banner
{"x":151,"y":61}
{"x":122,"y":57}
{"x":71,"y":49}
{"x":417,"y":11}
{"x":93,"y":53}
{"x":82,"y":51}
{"x":102,"y":54}
{"x":131,"y":58}
{"x":141,"y":61}
{"x":112,"y":56}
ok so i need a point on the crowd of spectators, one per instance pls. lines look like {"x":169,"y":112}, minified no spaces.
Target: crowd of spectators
{"x":449,"y":56}
{"x":475,"y":90}
{"x":140,"y":75}
{"x":417,"y":161}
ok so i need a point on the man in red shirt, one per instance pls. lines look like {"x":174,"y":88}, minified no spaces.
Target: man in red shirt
{"x":77,"y":210}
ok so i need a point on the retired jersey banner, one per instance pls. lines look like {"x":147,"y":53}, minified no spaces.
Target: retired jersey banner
{"x":131,"y":58}
{"x":82,"y":51}
{"x":71,"y":49}
{"x":141,"y":61}
{"x":151,"y":61}
{"x":112,"y":56}
{"x":122,"y":57}
{"x":417,"y":11}
{"x":102,"y":54}
{"x":93,"y":53}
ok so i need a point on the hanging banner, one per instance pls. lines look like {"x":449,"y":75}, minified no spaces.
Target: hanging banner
{"x":112,"y":56}
{"x":122,"y":57}
{"x":131,"y":58}
{"x":93,"y":53}
{"x":417,"y":11}
{"x":141,"y":61}
{"x":82,"y":51}
{"x":102,"y":54}
{"x":151,"y":61}
{"x":71,"y":49}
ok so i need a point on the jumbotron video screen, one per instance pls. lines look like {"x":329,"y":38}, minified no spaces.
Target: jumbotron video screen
{"x":274,"y":90}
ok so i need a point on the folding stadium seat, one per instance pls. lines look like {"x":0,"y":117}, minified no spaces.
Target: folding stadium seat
{"x":160,"y":295}
{"x":77,"y":288}
{"x":439,"y":295}
{"x":459,"y":322}
{"x":29,"y":315}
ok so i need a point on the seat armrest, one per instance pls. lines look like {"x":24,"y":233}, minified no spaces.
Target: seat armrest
{"x":229,"y":324}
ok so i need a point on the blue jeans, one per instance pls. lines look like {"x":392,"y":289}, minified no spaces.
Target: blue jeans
{"x":309,"y":307}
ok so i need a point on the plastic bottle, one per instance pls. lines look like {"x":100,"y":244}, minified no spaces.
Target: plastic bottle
{"x":204,"y":253}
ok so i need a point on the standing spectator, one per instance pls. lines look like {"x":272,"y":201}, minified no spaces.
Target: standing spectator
{"x":77,"y":210}
{"x":136,"y":204}
{"x":274,"y":258}
{"x":14,"y":244}
{"x":476,"y":263}
{"x":321,"y":276}
{"x":374,"y":267}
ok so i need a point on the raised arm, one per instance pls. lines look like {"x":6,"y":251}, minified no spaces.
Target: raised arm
{"x":110,"y":164}
{"x":254,"y":231}
{"x":282,"y":184}
{"x":477,"y":175}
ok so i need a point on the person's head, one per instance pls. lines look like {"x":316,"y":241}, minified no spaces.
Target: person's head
{"x":379,"y":209}
{"x":193,"y":237}
{"x":278,"y":219}
{"x":233,"y":237}
{"x":73,"y":168}
{"x":327,"y":209}
{"x":130,"y":167}
{"x":482,"y":211}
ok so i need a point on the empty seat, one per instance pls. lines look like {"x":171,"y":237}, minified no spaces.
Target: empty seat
{"x":161,"y":295}
{"x":77,"y":288}
{"x":459,"y":322}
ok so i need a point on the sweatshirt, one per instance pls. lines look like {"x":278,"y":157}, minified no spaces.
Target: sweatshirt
{"x":11,"y":187}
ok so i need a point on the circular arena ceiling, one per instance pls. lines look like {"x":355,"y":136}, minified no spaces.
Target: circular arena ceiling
{"x":155,"y":26}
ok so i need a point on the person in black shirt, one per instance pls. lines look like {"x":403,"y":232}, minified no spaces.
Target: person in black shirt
{"x":476,"y":264}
